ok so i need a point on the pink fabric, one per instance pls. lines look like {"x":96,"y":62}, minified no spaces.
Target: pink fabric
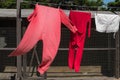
{"x":77,"y":40}
{"x":45,"y":25}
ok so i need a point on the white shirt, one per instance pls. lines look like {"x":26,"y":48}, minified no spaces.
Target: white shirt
{"x":107,"y":22}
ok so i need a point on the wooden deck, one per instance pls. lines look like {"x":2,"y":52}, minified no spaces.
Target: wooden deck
{"x":63,"y":73}
{"x":7,"y":76}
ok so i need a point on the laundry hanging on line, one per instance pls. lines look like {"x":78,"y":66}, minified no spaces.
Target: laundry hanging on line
{"x":82,"y":21}
{"x":107,"y":23}
{"x":45,"y":25}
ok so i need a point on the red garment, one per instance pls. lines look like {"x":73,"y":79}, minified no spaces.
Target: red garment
{"x":76,"y":45}
{"x":45,"y":25}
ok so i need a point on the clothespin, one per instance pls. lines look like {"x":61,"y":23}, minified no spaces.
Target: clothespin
{"x":59,"y":5}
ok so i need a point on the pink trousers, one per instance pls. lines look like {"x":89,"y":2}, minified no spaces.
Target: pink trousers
{"x":81,"y":20}
{"x":45,"y":25}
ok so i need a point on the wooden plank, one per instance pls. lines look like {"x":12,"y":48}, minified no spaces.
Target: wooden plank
{"x":58,"y":69}
{"x":61,"y":71}
{"x":66,"y":69}
{"x":6,"y":76}
{"x":11,"y":13}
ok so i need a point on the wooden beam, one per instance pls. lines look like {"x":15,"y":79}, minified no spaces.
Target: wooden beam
{"x":25,"y":12}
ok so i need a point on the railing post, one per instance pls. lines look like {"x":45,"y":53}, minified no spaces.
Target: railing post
{"x":18,"y":36}
{"x":117,"y":56}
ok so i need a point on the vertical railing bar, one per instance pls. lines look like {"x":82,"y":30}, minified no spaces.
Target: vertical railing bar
{"x":24,"y":65}
{"x":117,"y":56}
{"x":18,"y":36}
{"x":109,"y":53}
{"x":24,"y":57}
{"x":31,"y":61}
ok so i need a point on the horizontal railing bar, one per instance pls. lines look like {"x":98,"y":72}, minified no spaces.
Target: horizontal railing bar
{"x":31,"y":78}
{"x":91,"y":48}
{"x":7,"y":48}
{"x":62,"y":49}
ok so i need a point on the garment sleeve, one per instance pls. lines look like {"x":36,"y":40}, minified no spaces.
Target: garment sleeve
{"x":67,"y":22}
{"x":32,"y":15}
{"x":89,"y":26}
{"x":29,"y":39}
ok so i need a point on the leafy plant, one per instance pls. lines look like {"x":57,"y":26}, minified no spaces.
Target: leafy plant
{"x":7,"y":3}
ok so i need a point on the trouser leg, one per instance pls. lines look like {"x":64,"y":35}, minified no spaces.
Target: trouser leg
{"x":71,"y":56}
{"x":79,"y":53}
{"x":50,"y":48}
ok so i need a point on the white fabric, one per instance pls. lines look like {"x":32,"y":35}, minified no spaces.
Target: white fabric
{"x":107,"y":22}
